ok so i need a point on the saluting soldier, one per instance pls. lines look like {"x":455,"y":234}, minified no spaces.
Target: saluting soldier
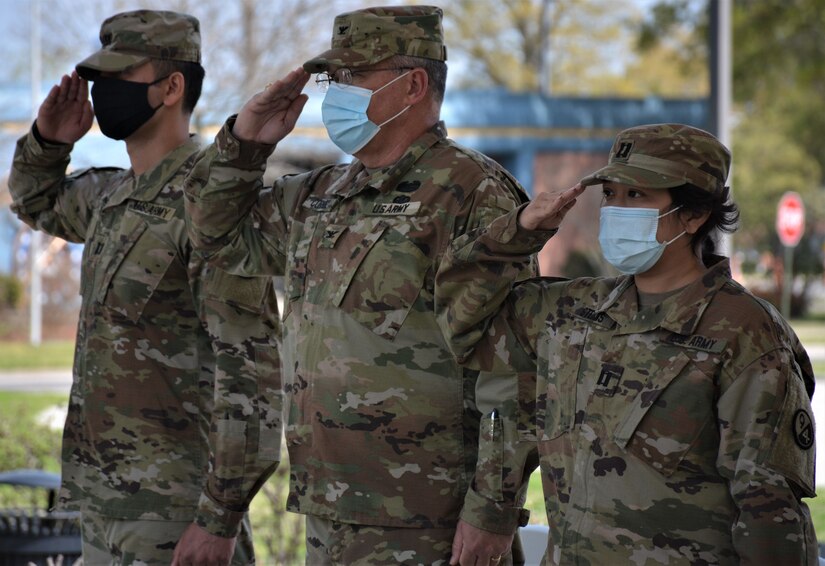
{"x":673,"y":407}
{"x":153,"y":319}
{"x":383,"y":425}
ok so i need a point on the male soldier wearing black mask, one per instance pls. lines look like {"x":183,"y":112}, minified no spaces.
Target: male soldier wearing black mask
{"x":157,"y":327}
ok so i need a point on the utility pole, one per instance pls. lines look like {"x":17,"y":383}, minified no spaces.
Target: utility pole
{"x":36,"y":243}
{"x":545,"y":67}
{"x":721,"y":85}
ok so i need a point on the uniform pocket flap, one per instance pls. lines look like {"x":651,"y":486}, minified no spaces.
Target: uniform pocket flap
{"x":654,"y":385}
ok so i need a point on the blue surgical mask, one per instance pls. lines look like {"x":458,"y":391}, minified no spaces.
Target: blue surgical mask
{"x":344,"y":113}
{"x":628,"y":237}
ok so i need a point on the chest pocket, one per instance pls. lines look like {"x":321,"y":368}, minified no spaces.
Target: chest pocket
{"x":295,"y":280}
{"x":560,"y":359}
{"x":661,"y":423}
{"x":96,"y":238}
{"x":136,"y":266}
{"x":380,"y":277}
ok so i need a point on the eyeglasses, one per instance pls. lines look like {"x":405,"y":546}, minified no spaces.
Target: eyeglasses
{"x":343,"y":76}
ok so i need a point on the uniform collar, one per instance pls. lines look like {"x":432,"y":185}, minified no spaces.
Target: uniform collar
{"x":147,"y":186}
{"x":356,"y":178}
{"x":679,"y":313}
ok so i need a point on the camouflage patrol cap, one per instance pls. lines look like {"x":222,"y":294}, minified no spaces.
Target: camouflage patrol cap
{"x":368,"y":36}
{"x":131,"y":38}
{"x":663,"y":156}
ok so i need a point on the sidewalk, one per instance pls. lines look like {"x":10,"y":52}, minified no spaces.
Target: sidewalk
{"x":38,"y":381}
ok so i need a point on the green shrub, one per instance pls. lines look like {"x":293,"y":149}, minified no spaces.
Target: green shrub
{"x":11,"y":291}
{"x":27,"y":443}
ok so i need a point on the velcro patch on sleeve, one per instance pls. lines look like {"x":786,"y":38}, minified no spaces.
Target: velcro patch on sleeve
{"x":793,"y":451}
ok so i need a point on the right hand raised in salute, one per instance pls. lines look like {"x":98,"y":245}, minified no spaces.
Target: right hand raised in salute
{"x":66,"y":114}
{"x":271,"y":114}
{"x":547,"y":210}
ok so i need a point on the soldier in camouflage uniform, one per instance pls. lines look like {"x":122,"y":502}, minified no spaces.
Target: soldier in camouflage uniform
{"x":383,"y":425}
{"x":673,"y":407}
{"x":157,"y":329}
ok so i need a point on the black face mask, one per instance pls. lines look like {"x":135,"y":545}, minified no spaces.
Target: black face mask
{"x":121,"y":107}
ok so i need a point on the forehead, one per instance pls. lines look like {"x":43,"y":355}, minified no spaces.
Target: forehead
{"x":613,"y":185}
{"x":332,"y":69}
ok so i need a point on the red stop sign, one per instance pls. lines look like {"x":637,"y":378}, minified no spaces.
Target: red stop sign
{"x":790,"y":219}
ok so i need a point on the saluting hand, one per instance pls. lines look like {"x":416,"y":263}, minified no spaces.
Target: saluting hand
{"x":271,"y":114}
{"x":547,"y":210}
{"x":66,"y":114}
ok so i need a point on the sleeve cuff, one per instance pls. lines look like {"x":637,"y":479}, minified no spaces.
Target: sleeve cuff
{"x":242,"y":154}
{"x":492,"y":516}
{"x":37,"y":145}
{"x":216,"y":519}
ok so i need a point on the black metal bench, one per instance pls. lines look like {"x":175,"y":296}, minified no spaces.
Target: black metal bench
{"x":38,"y":534}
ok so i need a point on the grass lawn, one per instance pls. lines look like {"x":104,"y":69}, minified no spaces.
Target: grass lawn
{"x":49,"y":355}
{"x":810,"y":332}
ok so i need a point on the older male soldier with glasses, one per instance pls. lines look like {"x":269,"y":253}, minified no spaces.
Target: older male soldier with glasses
{"x":382,"y":425}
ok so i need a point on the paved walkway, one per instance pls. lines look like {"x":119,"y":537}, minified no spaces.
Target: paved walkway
{"x":51,"y":381}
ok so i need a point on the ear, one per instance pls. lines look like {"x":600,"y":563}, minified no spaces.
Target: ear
{"x":418,"y":86}
{"x":692,"y":220}
{"x":174,"y":89}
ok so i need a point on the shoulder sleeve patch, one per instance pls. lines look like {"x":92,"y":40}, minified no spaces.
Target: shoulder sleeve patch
{"x":793,"y":451}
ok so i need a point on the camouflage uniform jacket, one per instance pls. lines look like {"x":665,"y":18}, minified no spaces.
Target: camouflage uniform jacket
{"x":382,"y":427}
{"x":679,"y":433}
{"x":135,"y":443}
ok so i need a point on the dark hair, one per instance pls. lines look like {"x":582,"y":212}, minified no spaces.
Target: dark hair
{"x":724,"y":214}
{"x":436,"y":72}
{"x":193,"y":75}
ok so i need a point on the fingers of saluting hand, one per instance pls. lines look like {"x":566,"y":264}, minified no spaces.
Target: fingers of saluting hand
{"x":558,"y":201}
{"x":288,"y":88}
{"x":271,"y":114}
{"x":51,"y":98}
{"x":63,"y":89}
{"x":74,"y":88}
{"x":70,"y":89}
{"x":547,"y":210}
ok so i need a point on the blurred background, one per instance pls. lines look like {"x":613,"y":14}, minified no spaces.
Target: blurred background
{"x":542,"y":86}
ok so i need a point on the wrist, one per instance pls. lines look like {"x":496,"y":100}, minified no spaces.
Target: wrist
{"x":522,"y":224}
{"x":44,"y":138}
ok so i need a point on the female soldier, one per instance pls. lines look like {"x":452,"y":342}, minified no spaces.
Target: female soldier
{"x":672,"y":407}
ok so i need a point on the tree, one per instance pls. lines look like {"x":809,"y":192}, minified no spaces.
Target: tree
{"x":778,"y":86}
{"x":571,"y":45}
{"x":246,"y":44}
{"x":768,"y":163}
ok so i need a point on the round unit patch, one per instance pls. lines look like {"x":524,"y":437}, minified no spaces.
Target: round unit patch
{"x":803,"y":429}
